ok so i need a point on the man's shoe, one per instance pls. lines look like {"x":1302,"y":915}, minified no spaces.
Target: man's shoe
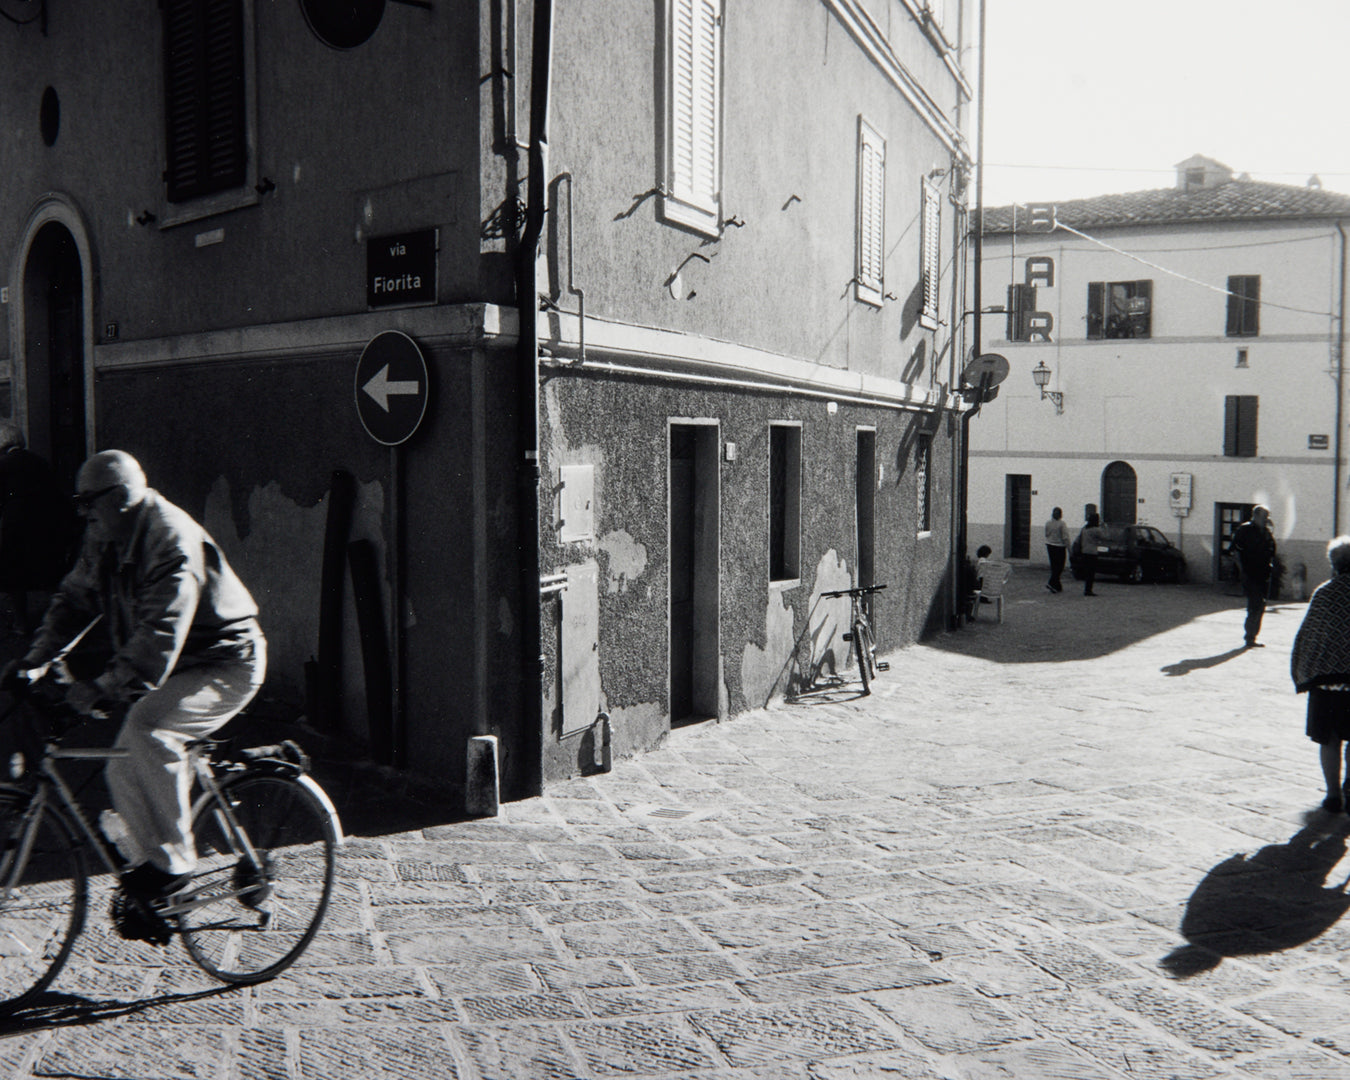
{"x":149,"y":883}
{"x":1253,"y":645}
{"x":1049,"y":588}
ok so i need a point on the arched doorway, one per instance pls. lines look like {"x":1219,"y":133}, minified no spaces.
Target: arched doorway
{"x":1120,"y":489}
{"x":54,"y":335}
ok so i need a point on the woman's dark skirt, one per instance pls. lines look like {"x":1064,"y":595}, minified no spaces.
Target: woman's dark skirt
{"x":1328,"y":715}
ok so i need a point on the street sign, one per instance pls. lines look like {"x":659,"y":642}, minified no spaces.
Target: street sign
{"x":391,"y":387}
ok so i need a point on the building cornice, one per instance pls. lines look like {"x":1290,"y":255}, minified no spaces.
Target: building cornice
{"x":864,"y":30}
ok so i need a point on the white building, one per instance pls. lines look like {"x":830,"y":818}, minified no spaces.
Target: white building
{"x":1193,"y":338}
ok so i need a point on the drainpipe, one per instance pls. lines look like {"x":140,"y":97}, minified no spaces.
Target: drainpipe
{"x":527,"y":377}
{"x":1340,"y":390}
{"x":977,"y":296}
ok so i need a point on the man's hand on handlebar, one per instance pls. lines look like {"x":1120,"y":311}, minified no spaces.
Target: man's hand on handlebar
{"x":84,"y":697}
{"x":17,"y":679}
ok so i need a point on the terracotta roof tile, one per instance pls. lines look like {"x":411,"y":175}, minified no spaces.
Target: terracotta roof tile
{"x":1235,"y":200}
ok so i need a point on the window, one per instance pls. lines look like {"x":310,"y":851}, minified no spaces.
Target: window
{"x":1120,"y":309}
{"x":923,"y":462}
{"x":869,"y":279}
{"x":1244,"y":305}
{"x":693,"y":134}
{"x":785,"y":482}
{"x":931,"y":270}
{"x":1239,"y":425}
{"x":208,"y":107}
{"x":1021,"y":304}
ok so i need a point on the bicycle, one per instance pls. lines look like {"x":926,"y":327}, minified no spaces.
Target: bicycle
{"x":266,"y":836}
{"x":863,"y":641}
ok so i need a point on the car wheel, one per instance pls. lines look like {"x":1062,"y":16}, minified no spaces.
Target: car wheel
{"x":1135,"y":574}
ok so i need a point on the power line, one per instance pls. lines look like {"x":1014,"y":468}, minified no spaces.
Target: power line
{"x":1184,"y":277}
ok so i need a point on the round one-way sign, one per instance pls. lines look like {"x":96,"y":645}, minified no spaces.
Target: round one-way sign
{"x":391,"y":387}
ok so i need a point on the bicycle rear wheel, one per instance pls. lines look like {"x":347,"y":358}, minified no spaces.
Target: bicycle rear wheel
{"x":43,"y":897}
{"x":246,"y":920}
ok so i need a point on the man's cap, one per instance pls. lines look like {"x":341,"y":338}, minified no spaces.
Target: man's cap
{"x":112,"y":468}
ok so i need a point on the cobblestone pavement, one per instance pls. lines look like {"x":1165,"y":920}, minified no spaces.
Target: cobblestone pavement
{"x":1082,"y":844}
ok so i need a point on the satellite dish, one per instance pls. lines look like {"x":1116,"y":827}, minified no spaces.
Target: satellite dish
{"x":987,"y":370}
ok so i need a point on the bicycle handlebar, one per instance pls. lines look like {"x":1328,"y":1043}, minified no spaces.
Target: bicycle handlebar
{"x":861,"y":591}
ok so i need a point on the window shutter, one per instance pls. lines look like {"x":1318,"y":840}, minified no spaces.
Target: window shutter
{"x":871,"y":269}
{"x":205,"y":142}
{"x":1246,"y":434}
{"x":1230,"y":425}
{"x":1234,"y":307}
{"x":695,"y":95}
{"x":1096,"y":313}
{"x":932,"y":255}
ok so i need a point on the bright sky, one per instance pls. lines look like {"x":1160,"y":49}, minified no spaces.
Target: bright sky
{"x":1090,"y":97}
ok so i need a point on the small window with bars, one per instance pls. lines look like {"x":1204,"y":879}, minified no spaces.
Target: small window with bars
{"x":923,"y":468}
{"x":870,"y":275}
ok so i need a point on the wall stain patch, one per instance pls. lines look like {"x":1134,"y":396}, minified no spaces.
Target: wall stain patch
{"x":626,"y":562}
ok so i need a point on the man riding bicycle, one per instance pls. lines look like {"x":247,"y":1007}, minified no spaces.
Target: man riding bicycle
{"x":188,"y":654}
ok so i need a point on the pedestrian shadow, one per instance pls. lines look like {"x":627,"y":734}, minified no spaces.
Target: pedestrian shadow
{"x":56,"y":1010}
{"x":1185,"y":667}
{"x":1273,"y":900}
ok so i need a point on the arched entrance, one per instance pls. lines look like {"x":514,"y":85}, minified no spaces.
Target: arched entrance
{"x":51,"y":400}
{"x":1120,"y":490}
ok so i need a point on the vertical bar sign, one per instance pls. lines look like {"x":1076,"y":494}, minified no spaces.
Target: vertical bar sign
{"x":401,"y":269}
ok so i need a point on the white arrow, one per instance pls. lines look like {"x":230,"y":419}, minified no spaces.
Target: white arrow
{"x":380,"y":388}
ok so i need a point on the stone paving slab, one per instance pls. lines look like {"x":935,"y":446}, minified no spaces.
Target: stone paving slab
{"x":1084,"y":844}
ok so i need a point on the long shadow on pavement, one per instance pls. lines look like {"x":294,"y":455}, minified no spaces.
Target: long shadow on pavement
{"x":1040,"y":627}
{"x":1273,"y":900}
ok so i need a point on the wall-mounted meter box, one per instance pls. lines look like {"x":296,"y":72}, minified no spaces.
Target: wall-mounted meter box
{"x":1179,"y":493}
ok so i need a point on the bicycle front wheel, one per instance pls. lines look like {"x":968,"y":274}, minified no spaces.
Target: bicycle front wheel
{"x":263,"y":879}
{"x":43,"y":897}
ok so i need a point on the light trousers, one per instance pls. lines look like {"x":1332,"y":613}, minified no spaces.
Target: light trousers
{"x":151,"y":788}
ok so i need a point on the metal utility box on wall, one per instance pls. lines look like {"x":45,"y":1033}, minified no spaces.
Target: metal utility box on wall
{"x":1179,"y":493}
{"x":576,"y":503}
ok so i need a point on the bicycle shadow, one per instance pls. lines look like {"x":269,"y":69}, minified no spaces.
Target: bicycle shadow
{"x":830,"y":690}
{"x":53,"y":1009}
{"x":1273,"y":900}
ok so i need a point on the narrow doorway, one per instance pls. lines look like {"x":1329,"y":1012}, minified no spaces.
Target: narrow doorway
{"x":1017,"y":515}
{"x":1120,"y":493}
{"x":694,"y":579}
{"x":865,"y":503}
{"x":54,"y":334}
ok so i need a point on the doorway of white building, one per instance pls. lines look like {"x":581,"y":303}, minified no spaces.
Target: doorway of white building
{"x":1120,"y":493}
{"x":1017,"y":516}
{"x":694,"y":583}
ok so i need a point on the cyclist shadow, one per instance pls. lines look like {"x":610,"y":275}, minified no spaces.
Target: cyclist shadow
{"x":53,"y":1009}
{"x":1275,"y":899}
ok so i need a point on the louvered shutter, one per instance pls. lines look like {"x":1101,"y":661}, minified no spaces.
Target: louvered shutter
{"x":932,"y":257}
{"x":871,"y":213}
{"x":693,"y":171}
{"x":205,"y":144}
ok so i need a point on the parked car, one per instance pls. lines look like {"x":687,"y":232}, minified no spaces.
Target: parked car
{"x":1133,"y":553}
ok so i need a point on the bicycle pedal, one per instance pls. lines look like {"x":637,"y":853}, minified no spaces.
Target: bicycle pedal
{"x":848,"y":637}
{"x":883,"y":665}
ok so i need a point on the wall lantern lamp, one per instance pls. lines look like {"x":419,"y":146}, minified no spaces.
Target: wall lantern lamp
{"x":1042,"y":374}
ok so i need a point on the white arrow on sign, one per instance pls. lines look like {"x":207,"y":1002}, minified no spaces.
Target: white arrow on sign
{"x":381,"y":388}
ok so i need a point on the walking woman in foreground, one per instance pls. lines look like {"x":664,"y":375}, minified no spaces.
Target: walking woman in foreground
{"x":1320,"y":665}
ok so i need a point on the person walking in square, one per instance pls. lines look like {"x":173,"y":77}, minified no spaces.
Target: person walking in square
{"x":1088,"y":542}
{"x":1056,"y":547}
{"x":1320,"y":667}
{"x":1253,"y":546}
